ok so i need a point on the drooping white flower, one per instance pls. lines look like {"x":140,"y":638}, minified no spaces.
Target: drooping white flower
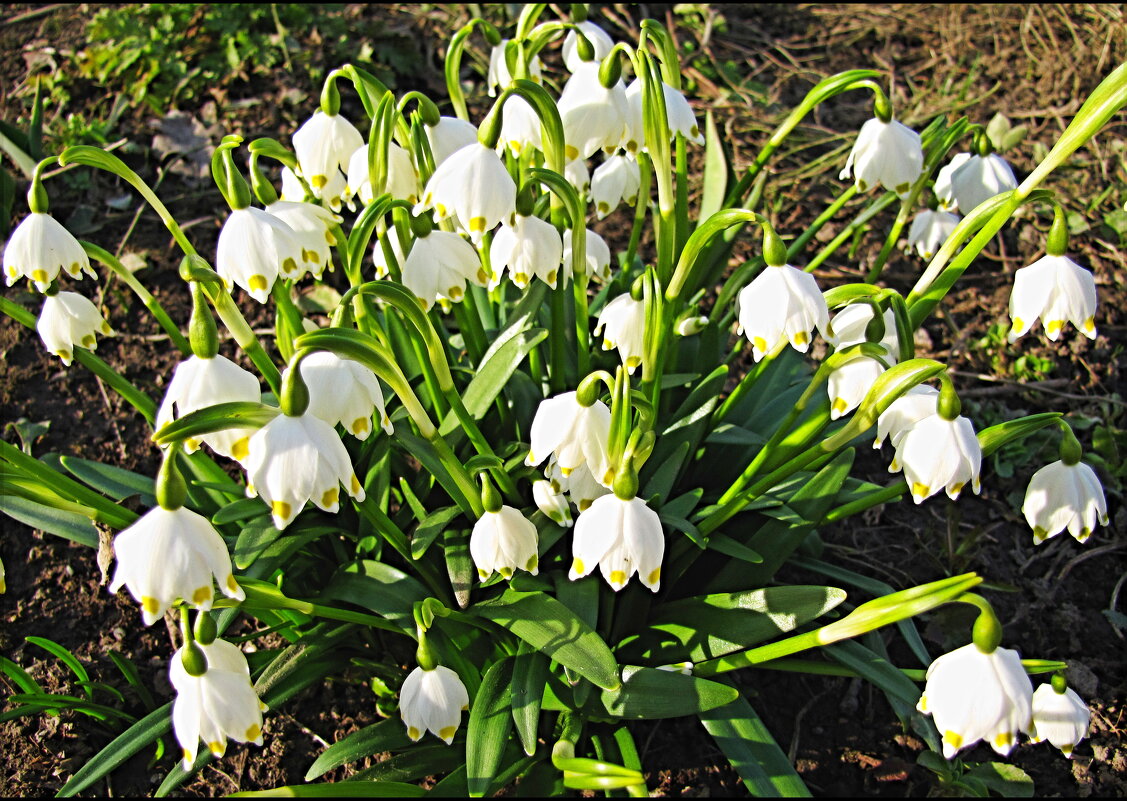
{"x":576,"y":434}
{"x":40,"y":248}
{"x":616,"y":179}
{"x":198,"y":383}
{"x":679,"y":115}
{"x":850,"y":383}
{"x":598,"y":255}
{"x":402,"y":182}
{"x":324,"y":144}
{"x":1060,"y":718}
{"x":520,"y":127}
{"x":930,"y":229}
{"x":433,"y":700}
{"x":379,"y":257}
{"x":976,"y":696}
{"x":849,"y":325}
{"x":1064,"y":496}
{"x":970,"y":180}
{"x":294,"y":460}
{"x":940,"y":454}
{"x":917,"y":404}
{"x":622,"y":537}
{"x":577,"y":174}
{"x":550,"y":500}
{"x":312,"y":226}
{"x":343,"y":391}
{"x":580,"y":485}
{"x":1054,"y":289}
{"x":886,"y":153}
{"x":600,"y":41}
{"x":593,"y":116}
{"x":526,"y":248}
{"x":254,"y":249}
{"x":503,"y":541}
{"x":293,"y":191}
{"x":782,"y":303}
{"x":449,"y":136}
{"x":474,"y":186}
{"x":218,"y":705}
{"x":438,"y":267}
{"x":172,"y":554}
{"x":68,"y":319}
{"x":624,"y":322}
{"x":499,"y":76}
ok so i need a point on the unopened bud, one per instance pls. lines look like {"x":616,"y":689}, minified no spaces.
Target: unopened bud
{"x":691,"y":326}
{"x":193,"y":659}
{"x":205,"y":628}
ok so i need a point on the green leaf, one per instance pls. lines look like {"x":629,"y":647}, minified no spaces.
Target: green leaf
{"x":64,"y":656}
{"x":709,"y":626}
{"x":380,"y":588}
{"x":254,"y":539}
{"x":387,"y":735}
{"x":432,"y":759}
{"x":1009,"y":781}
{"x":994,"y":437}
{"x":715,"y":170}
{"x":649,"y":694}
{"x":57,"y":701}
{"x":737,"y":550}
{"x":488,"y":728}
{"x":550,"y":627}
{"x":221,"y":416}
{"x":752,"y":751}
{"x":109,"y":480}
{"x":728,"y":434}
{"x":497,"y":367}
{"x":240,"y":509}
{"x":69,"y":525}
{"x":873,"y":668}
{"x":428,"y":531}
{"x":345,"y":789}
{"x":530,"y":673}
{"x":154,"y":725}
{"x":309,"y":660}
{"x":19,"y":676}
{"x":459,"y":565}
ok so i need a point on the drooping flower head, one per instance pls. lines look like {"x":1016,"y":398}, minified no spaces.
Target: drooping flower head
{"x":623,"y":325}
{"x":1064,"y":496}
{"x":343,"y":391}
{"x":615,"y":180}
{"x":600,"y":41}
{"x":254,"y":248}
{"x":576,"y":434}
{"x":474,"y":186}
{"x":937,"y":453}
{"x":1062,"y":718}
{"x":1054,"y":289}
{"x":621,"y":537}
{"x":503,"y":541}
{"x":68,"y":319}
{"x":930,"y":229}
{"x":782,"y":304}
{"x":201,"y":382}
{"x":402,"y":181}
{"x":433,"y":700}
{"x":324,"y":145}
{"x":312,"y":228}
{"x":438,"y":267}
{"x":593,"y":116}
{"x":970,"y":180}
{"x":40,"y":248}
{"x":526,"y":248}
{"x":886,"y":153}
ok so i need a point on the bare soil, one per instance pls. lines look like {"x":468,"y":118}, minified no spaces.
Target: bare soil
{"x":1035,"y":63}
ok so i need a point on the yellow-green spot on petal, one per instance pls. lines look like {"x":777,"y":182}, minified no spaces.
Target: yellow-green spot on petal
{"x":441,"y":209}
{"x":13,"y":270}
{"x":201,"y":595}
{"x":760,"y":343}
{"x":578,"y":566}
{"x":1084,"y":534}
{"x":1054,"y":326}
{"x":953,"y":739}
{"x":309,"y":256}
{"x":150,"y":605}
{"x":694,"y":131}
{"x":482,"y":276}
{"x":617,"y":577}
{"x":520,"y":278}
{"x":241,"y":448}
{"x":89,"y":342}
{"x":570,"y":153}
{"x":289,"y":265}
{"x":232,"y":585}
{"x":74,"y":269}
{"x":257,"y":282}
{"x":217,"y":748}
{"x":414,"y":733}
{"x":359,"y":426}
{"x":281,"y":509}
{"x":655,"y":576}
{"x":531,"y":564}
{"x":354,"y":486}
{"x":920,"y":490}
{"x":603,"y":207}
{"x":506,"y":572}
{"x":1088,"y":327}
{"x":552,"y":277}
{"x":1019,"y":324}
{"x":454,"y":293}
{"x":632,"y":146}
{"x":801,"y":338}
{"x":584,"y":505}
{"x":254,"y":732}
{"x":1004,"y":739}
{"x":922,"y":705}
{"x":318,"y":181}
{"x":447,"y":732}
{"x":39,"y":275}
{"x":1066,"y":750}
{"x":839,"y":406}
{"x":481,"y":574}
{"x":955,"y":489}
{"x":330,"y":497}
{"x":1039,"y":534}
{"x":477,"y":224}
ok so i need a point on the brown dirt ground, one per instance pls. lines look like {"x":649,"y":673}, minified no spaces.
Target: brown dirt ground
{"x":840,"y":733}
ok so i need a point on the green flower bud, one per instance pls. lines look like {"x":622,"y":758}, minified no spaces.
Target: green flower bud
{"x":584,"y":48}
{"x":610,"y":73}
{"x":294,"y":397}
{"x":874,"y":331}
{"x":1060,"y":683}
{"x":948,"y":406}
{"x":490,"y":33}
{"x":195,"y":663}
{"x":987,"y":634}
{"x":205,"y":628}
{"x":202,"y":332}
{"x":490,"y":498}
{"x":525,"y":201}
{"x":626,"y":481}
{"x":1057,"y":243}
{"x":330,"y":96}
{"x":37,"y":196}
{"x":774,"y":251}
{"x":171,"y":491}
{"x":422,"y":225}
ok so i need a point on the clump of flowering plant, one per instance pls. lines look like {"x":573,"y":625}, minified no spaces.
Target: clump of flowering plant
{"x":448,"y":484}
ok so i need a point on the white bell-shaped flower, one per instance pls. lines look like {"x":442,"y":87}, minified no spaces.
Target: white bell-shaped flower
{"x":1064,"y":496}
{"x":526,"y":248}
{"x":580,"y":485}
{"x":917,"y":404}
{"x":520,"y":127}
{"x":929,"y":230}
{"x":433,"y":700}
{"x":1054,"y":289}
{"x":976,"y":696}
{"x":849,"y":327}
{"x":294,"y":460}
{"x":254,"y":248}
{"x":448,"y":136}
{"x":324,"y":145}
{"x":40,"y":248}
{"x":380,"y":258}
{"x":499,"y":76}
{"x":968,"y":181}
{"x":402,"y":181}
{"x":593,"y":116}
{"x":598,"y":255}
{"x":622,"y":537}
{"x":679,"y":115}
{"x":439,"y":266}
{"x":292,"y":189}
{"x":577,"y":174}
{"x":343,"y":391}
{"x":886,"y":153}
{"x":623,"y":325}
{"x":940,"y":454}
{"x":576,"y":434}
{"x":600,"y":41}
{"x":68,"y":319}
{"x":1060,"y":718}
{"x":850,"y":383}
{"x":474,"y":186}
{"x":616,"y":179}
{"x":550,"y":500}
{"x":172,"y":554}
{"x":503,"y":541}
{"x":217,"y":706}
{"x":312,"y":226}
{"x":782,"y":304}
{"x":198,"y":383}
